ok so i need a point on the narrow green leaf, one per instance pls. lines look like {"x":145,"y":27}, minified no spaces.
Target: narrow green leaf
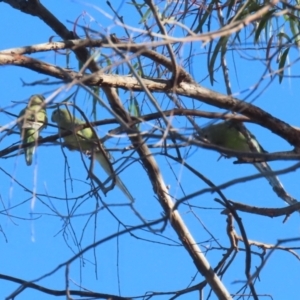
{"x":221,"y":43}
{"x":294,"y":26}
{"x":245,"y":9}
{"x":145,"y":16}
{"x":282,"y":61}
{"x":282,"y":35}
{"x":204,"y":17}
{"x":230,"y":6}
{"x":263,"y":24}
{"x":134,"y":109}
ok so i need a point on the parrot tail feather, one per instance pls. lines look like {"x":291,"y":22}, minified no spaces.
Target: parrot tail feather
{"x":275,"y":183}
{"x":29,"y":151}
{"x":124,"y":189}
{"x":104,"y":162}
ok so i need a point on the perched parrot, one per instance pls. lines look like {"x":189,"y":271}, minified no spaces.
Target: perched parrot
{"x":234,"y":136}
{"x":32,"y":119}
{"x":85,"y":140}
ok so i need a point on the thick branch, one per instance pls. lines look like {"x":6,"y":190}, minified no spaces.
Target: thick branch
{"x":194,"y":91}
{"x":167,"y":203}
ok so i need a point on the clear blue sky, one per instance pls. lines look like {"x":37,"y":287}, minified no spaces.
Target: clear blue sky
{"x":144,"y":262}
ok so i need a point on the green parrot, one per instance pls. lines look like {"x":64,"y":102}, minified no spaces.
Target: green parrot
{"x":85,"y":140}
{"x":235,"y":136}
{"x":31,"y":121}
